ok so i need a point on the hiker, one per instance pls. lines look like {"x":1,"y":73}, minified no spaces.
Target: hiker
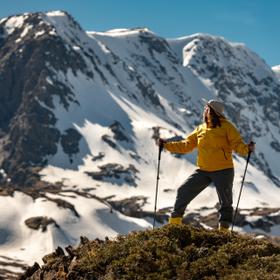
{"x":215,"y":140}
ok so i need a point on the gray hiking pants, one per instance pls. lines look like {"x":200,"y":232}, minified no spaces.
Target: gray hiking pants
{"x":197,"y":182}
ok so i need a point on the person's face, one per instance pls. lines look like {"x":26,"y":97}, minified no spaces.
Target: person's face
{"x":206,"y":112}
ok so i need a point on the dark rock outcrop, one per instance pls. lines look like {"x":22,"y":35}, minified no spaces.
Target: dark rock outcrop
{"x":28,"y":88}
{"x":116,"y":174}
{"x":70,"y":142}
{"x":40,"y":223}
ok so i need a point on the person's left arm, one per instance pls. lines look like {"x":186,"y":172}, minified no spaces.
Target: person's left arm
{"x":236,"y":142}
{"x":183,"y":146}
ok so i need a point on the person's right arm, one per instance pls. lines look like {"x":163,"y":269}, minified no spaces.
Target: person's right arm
{"x":184,"y":146}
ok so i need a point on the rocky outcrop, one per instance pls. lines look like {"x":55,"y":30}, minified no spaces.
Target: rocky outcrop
{"x":119,"y":132}
{"x":133,"y":207}
{"x":40,"y":222}
{"x":70,"y":142}
{"x":116,"y":174}
{"x":259,"y":220}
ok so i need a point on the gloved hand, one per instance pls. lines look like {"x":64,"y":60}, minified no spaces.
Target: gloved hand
{"x":161,"y":142}
{"x":252,"y":146}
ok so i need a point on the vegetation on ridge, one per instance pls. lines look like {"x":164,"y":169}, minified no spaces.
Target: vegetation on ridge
{"x":170,"y":252}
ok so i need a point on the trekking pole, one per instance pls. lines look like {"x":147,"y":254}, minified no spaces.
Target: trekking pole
{"x":242,"y":183}
{"x":160,"y":148}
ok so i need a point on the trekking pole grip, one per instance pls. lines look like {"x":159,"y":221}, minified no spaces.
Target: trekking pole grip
{"x":160,"y":147}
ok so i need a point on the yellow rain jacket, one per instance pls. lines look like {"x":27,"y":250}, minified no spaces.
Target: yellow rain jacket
{"x":215,"y":146}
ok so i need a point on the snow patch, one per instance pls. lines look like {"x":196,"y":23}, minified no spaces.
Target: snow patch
{"x":38,"y":34}
{"x":15,"y":22}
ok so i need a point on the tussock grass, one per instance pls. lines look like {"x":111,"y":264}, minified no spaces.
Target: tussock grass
{"x":175,"y":252}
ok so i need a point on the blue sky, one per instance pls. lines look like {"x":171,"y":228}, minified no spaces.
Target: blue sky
{"x":253,"y":22}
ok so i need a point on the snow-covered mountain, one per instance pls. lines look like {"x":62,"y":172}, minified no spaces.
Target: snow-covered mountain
{"x":82,"y":110}
{"x":276,"y":70}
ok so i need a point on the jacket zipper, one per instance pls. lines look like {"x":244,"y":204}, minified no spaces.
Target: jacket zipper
{"x":224,"y":154}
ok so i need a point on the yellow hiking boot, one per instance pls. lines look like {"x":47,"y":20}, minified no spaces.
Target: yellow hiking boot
{"x":224,"y":226}
{"x":175,"y":221}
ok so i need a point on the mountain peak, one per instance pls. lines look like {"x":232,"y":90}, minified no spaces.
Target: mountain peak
{"x":128,"y":30}
{"x":276,"y":70}
{"x":57,"y":13}
{"x":53,"y":22}
{"x":61,"y":20}
{"x":226,"y":52}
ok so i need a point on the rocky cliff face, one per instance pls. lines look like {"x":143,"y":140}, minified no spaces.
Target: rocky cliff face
{"x":30,"y":50}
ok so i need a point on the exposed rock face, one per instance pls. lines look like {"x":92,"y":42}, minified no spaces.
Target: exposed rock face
{"x":116,"y":174}
{"x":132,"y":207}
{"x":70,"y":142}
{"x":119,"y":132}
{"x":28,"y":89}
